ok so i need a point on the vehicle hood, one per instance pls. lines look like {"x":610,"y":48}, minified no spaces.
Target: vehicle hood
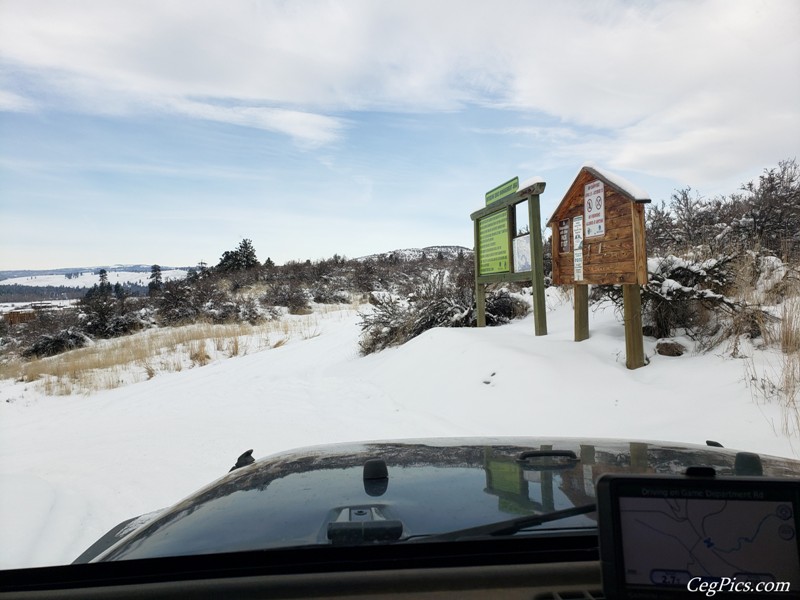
{"x":432,"y":486}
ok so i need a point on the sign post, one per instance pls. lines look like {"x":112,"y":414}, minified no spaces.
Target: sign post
{"x":496,"y":259}
{"x":537,"y":262}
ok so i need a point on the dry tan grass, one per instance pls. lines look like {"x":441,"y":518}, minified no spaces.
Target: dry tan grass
{"x":10,"y":368}
{"x":111,"y":363}
{"x":280,"y":342}
{"x":198,"y":354}
{"x":791,"y":393}
{"x":789,"y":335}
{"x":781,"y":381}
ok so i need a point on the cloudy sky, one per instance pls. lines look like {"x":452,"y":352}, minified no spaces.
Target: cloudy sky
{"x":166,"y":131}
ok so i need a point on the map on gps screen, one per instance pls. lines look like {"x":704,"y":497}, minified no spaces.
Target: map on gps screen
{"x":669,"y":541}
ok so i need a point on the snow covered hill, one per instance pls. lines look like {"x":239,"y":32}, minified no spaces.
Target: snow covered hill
{"x":85,"y":278}
{"x":72,"y":467}
{"x":430,"y":252}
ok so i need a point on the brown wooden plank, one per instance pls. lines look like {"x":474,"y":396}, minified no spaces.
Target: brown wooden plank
{"x":608,"y":246}
{"x":617,"y":206}
{"x":557,"y":257}
{"x":625,"y":266}
{"x":639,"y":244}
{"x":609,"y":258}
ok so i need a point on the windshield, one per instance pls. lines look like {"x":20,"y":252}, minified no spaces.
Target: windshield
{"x":444,"y":234}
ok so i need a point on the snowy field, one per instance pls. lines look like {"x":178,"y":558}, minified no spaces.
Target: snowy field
{"x":73,"y":467}
{"x":89,"y":277}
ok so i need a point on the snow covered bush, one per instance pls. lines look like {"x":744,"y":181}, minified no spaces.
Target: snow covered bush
{"x":177,"y":303}
{"x":330,"y":291}
{"x":439,"y":301}
{"x":696,"y":297}
{"x":291,"y":295}
{"x":763,"y":214}
{"x":50,"y":345}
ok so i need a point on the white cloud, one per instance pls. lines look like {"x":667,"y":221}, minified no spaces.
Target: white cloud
{"x":675,"y":84}
{"x":11,"y":102}
{"x":308,"y":129}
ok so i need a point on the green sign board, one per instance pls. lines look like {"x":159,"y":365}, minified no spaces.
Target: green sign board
{"x":501,"y":191}
{"x":493,"y":243}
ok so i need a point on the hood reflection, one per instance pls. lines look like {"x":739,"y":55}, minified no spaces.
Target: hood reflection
{"x":433,"y":486}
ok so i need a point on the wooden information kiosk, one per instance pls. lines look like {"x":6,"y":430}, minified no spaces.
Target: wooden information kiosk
{"x":599,"y":238}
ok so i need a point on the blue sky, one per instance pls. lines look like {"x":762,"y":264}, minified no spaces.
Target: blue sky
{"x":165,"y":132}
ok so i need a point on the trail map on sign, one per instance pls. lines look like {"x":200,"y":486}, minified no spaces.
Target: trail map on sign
{"x":672,"y":540}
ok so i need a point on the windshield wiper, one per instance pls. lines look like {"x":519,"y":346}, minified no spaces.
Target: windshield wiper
{"x":509,"y":527}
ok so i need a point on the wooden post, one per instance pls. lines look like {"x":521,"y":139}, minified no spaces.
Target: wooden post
{"x":638,"y":451}
{"x":587,"y":454}
{"x":480,"y":299}
{"x":537,"y":266}
{"x":511,"y":223}
{"x":581,"y":310}
{"x":634,"y":340}
{"x":480,"y":288}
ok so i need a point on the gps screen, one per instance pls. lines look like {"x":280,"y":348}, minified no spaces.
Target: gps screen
{"x":669,"y":541}
{"x":669,"y":535}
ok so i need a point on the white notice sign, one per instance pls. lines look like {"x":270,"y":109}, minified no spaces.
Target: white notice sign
{"x":594,"y":208}
{"x":522,"y":253}
{"x":577,"y":241}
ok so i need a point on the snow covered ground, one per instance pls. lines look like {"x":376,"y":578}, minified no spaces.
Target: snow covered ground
{"x":89,"y":277}
{"x":73,"y":467}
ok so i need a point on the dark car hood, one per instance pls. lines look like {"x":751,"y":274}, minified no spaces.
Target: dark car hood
{"x":433,"y":486}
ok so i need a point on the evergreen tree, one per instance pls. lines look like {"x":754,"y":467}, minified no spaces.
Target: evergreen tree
{"x":241,"y":259}
{"x":104,"y":288}
{"x":98,"y":306}
{"x":156,"y":283}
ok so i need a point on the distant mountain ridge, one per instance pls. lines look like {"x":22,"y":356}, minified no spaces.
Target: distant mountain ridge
{"x":448,"y":252}
{"x":11,"y":274}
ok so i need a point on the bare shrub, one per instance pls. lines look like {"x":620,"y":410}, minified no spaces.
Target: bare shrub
{"x":150,"y":370}
{"x":387,"y":325}
{"x":50,"y":345}
{"x":502,"y":307}
{"x":290,"y":295}
{"x":197,"y":353}
{"x":439,"y":301}
{"x":690,"y":295}
{"x":780,"y":383}
{"x":329,"y":291}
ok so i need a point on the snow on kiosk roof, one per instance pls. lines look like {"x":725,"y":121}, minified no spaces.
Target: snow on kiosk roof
{"x":625,"y":186}
{"x":598,"y":231}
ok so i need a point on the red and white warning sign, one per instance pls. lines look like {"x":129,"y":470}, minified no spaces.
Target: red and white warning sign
{"x":594,"y":208}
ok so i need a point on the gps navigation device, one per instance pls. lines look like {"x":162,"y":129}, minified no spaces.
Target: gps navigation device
{"x":665,"y":536}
